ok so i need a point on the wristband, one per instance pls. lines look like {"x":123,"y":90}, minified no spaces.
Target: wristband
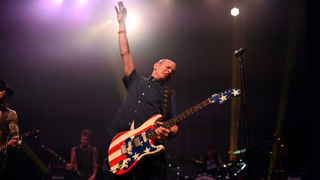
{"x":119,"y":32}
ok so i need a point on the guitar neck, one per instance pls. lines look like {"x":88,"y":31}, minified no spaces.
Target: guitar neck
{"x":57,"y":156}
{"x":64,"y":161}
{"x":173,"y":121}
{"x":30,"y":134}
{"x":4,"y":146}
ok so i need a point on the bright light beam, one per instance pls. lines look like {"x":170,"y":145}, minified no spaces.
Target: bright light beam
{"x":235,"y":12}
{"x":131,"y":22}
{"x":33,"y":156}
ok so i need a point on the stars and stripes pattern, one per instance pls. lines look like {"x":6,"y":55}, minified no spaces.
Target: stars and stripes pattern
{"x":132,"y":153}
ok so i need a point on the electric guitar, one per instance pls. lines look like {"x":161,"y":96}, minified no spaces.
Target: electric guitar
{"x":76,"y":171}
{"x":30,"y":134}
{"x":129,"y":147}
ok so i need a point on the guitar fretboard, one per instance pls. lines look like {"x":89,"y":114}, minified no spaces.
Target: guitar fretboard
{"x":173,"y":121}
{"x":64,"y":161}
{"x":4,"y":146}
{"x":30,"y":134}
{"x":57,"y":156}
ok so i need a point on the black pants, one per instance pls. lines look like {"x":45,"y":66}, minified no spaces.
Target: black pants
{"x":3,"y":159}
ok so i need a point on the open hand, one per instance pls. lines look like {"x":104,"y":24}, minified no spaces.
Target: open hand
{"x":121,"y":12}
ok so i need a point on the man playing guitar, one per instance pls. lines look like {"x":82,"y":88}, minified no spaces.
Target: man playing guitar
{"x":142,"y":101}
{"x":84,"y":158}
{"x":8,"y":123}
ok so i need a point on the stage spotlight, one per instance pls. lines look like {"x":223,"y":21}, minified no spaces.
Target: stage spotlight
{"x":82,"y":1}
{"x":106,"y":23}
{"x":59,"y":1}
{"x":131,"y":22}
{"x":235,"y":11}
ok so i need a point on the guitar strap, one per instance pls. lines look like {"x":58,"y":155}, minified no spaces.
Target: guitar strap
{"x":165,"y":102}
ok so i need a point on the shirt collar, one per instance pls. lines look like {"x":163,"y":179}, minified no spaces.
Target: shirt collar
{"x":151,"y":78}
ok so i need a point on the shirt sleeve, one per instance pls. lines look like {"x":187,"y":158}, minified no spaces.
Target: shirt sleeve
{"x":127,"y":81}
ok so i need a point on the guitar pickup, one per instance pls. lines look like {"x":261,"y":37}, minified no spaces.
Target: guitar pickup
{"x":144,"y":137}
{"x":137,"y":141}
{"x":123,"y":149}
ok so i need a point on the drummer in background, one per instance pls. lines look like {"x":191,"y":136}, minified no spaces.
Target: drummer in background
{"x":211,"y":162}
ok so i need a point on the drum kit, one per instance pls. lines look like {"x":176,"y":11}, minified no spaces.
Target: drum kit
{"x":227,"y":171}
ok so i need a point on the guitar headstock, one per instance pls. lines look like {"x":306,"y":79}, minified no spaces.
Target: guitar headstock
{"x":32,"y":134}
{"x":221,"y":97}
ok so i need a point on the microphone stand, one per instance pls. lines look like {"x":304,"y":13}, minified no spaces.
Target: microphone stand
{"x":238,"y":53}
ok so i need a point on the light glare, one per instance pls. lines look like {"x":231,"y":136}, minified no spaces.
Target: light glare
{"x":59,"y":1}
{"x":131,"y":22}
{"x":235,"y":11}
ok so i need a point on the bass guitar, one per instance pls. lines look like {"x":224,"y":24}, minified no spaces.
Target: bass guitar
{"x":74,"y":170}
{"x":128,"y":148}
{"x":30,"y":134}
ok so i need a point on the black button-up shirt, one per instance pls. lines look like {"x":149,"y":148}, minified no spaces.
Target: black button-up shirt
{"x":143,"y":100}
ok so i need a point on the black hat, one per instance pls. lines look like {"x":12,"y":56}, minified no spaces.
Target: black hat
{"x":4,"y":86}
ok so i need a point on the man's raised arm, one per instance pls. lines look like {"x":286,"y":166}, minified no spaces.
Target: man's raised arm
{"x":128,"y":65}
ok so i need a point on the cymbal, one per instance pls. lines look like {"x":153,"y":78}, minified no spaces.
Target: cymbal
{"x":238,"y":151}
{"x":188,"y":162}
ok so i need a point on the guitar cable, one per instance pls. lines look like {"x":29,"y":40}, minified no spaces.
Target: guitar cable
{"x":105,"y":164}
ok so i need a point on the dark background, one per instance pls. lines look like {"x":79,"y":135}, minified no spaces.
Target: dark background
{"x":63,"y":63}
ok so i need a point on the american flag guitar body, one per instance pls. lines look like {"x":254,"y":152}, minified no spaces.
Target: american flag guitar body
{"x":129,"y":147}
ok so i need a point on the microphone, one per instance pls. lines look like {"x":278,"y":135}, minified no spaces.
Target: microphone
{"x":239,"y":52}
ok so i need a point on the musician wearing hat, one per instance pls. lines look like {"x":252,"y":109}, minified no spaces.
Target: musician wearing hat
{"x":8,"y":124}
